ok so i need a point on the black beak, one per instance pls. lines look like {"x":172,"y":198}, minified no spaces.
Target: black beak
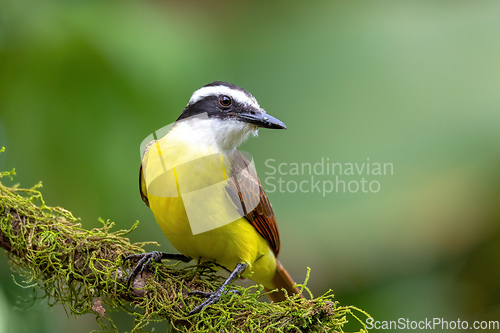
{"x":261,"y":119}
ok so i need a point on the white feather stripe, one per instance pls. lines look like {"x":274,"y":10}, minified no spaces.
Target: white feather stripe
{"x":237,"y":95}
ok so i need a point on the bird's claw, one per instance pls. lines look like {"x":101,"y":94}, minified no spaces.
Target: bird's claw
{"x":144,"y":260}
{"x":212,"y":298}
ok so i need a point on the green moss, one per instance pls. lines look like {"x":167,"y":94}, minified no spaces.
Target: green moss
{"x":84,"y":271}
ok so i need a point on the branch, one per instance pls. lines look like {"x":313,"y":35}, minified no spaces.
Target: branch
{"x":84,"y":271}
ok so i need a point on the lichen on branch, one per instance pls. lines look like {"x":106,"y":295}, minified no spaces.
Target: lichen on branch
{"x":84,"y":271}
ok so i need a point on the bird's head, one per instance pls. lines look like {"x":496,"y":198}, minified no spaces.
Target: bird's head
{"x":229,"y":112}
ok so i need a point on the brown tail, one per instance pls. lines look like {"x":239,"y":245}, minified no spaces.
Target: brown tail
{"x":282,"y":280}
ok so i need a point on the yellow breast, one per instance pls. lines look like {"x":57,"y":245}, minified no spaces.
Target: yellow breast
{"x":187,"y":194}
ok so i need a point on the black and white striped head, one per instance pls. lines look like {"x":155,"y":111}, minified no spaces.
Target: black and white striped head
{"x":226,"y":101}
{"x":221,"y":115}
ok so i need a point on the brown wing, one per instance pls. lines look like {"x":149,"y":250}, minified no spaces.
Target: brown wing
{"x":142,"y":187}
{"x":245,"y":185}
{"x":142,"y":183}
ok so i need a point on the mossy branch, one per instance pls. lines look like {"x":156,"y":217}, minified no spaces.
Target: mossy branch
{"x":84,"y":271}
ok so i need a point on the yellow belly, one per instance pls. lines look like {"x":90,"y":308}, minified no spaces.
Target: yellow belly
{"x":186,"y":189}
{"x":236,"y":242}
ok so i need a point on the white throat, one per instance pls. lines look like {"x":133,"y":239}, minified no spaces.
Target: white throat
{"x":212,"y":133}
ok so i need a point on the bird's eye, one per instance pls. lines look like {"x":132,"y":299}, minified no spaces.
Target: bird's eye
{"x":225,"y":100}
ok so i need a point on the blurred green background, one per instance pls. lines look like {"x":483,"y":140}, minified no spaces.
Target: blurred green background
{"x":412,"y":83}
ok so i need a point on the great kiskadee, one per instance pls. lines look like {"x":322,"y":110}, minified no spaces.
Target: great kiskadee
{"x":206,"y":196}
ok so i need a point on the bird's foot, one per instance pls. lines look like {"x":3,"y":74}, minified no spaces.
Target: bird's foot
{"x":144,"y":260}
{"x":211,"y":298}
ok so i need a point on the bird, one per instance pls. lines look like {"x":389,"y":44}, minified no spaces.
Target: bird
{"x":205,"y":194}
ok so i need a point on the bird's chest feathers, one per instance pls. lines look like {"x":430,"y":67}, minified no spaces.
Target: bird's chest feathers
{"x":187,"y":187}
